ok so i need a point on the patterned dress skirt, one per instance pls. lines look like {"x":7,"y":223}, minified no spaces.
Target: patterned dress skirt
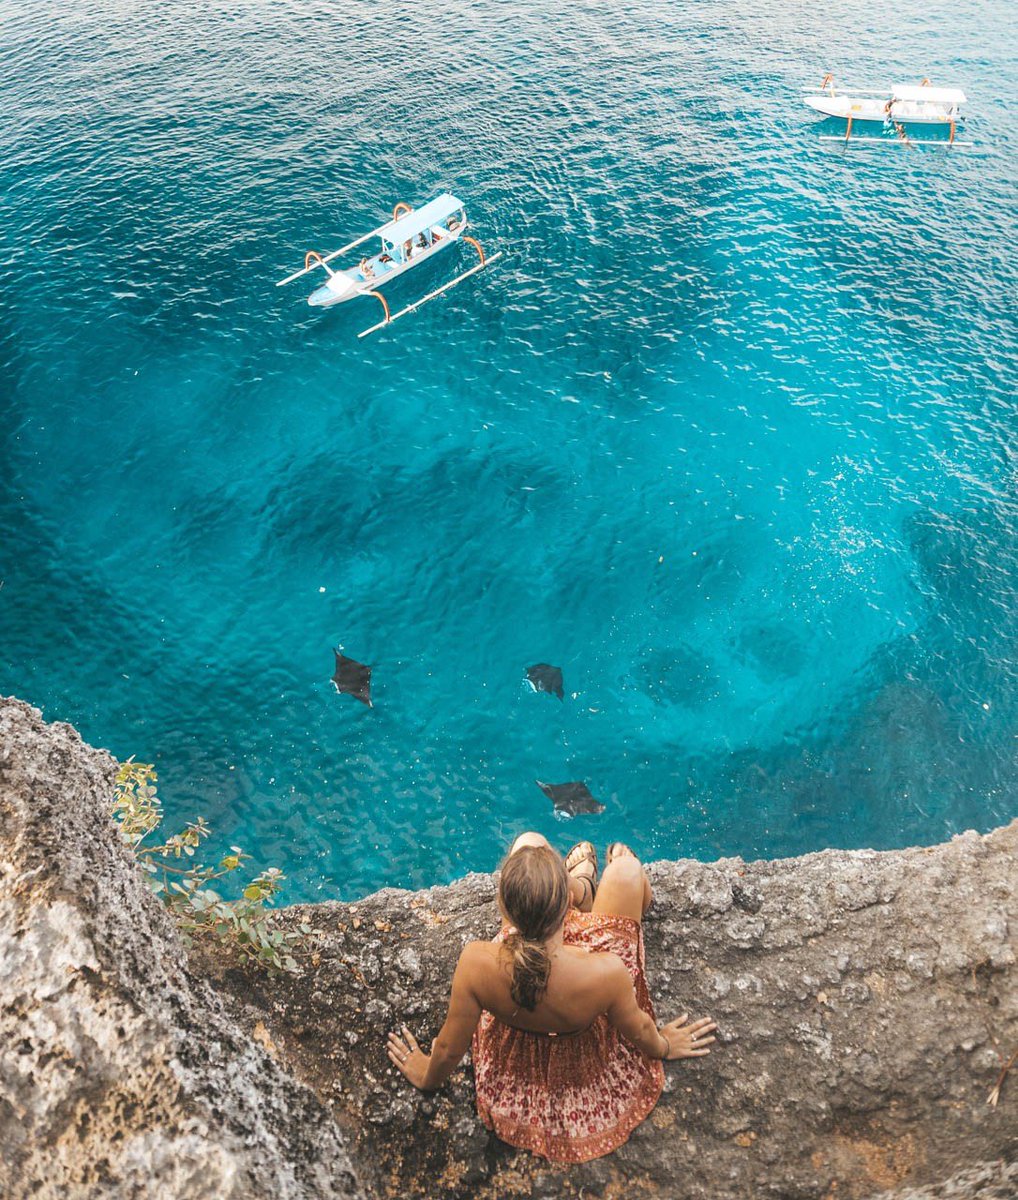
{"x":570,"y":1097}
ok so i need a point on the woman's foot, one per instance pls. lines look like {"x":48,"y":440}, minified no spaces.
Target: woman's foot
{"x":581,"y":863}
{"x":617,"y":850}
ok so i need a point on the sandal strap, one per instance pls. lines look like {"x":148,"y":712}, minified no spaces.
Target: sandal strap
{"x":591,"y":856}
{"x":589,"y":882}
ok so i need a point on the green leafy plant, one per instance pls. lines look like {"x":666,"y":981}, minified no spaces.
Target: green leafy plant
{"x":186,"y":889}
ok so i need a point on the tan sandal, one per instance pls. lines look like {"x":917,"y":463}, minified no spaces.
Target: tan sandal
{"x":583,"y":852}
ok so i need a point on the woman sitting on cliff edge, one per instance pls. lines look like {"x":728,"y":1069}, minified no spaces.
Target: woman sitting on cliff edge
{"x":567,"y":1053}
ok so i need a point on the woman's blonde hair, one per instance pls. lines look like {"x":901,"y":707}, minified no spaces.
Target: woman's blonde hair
{"x":534,"y":891}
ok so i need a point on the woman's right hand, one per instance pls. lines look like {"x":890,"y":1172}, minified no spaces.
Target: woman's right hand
{"x":688,"y":1039}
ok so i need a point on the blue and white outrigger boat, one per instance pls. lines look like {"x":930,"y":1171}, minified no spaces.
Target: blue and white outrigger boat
{"x":895,"y":108}
{"x":409,"y":239}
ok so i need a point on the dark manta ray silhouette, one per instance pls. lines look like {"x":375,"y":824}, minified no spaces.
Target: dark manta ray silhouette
{"x":546,"y":678}
{"x":352,"y":677}
{"x":571,"y":798}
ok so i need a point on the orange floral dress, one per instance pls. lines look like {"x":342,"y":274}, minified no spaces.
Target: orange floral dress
{"x":570,"y":1097}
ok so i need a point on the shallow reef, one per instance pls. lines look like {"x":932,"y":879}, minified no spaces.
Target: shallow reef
{"x":867,"y":1002}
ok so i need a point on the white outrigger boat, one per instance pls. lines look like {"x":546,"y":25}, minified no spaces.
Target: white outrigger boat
{"x":409,"y":239}
{"x":904,"y":104}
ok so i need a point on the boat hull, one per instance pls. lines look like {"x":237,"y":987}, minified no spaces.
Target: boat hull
{"x":338,"y":288}
{"x":874,"y":108}
{"x":349,"y":284}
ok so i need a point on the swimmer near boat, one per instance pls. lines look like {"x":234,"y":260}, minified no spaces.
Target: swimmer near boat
{"x":409,"y":239}
{"x":894,"y":108}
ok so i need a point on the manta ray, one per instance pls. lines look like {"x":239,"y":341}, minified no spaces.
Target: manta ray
{"x":571,"y":799}
{"x":353,"y":678}
{"x":545,"y":678}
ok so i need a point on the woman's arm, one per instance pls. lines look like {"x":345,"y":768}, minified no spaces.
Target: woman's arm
{"x":430,"y":1071}
{"x":677,"y":1039}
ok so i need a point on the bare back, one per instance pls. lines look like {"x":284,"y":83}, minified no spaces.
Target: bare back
{"x":581,"y":986}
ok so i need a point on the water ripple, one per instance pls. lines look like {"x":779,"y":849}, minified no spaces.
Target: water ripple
{"x":728,"y":434}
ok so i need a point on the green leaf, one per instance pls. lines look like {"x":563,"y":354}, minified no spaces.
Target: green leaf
{"x":197,"y":908}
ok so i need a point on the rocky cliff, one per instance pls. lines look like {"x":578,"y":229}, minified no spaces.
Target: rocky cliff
{"x":120,"y":1073}
{"x":867,"y":1003}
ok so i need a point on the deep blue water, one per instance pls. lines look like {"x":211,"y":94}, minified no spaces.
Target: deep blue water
{"x":729,"y":434}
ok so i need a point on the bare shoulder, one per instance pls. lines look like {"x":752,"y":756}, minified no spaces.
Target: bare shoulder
{"x":612,"y":974}
{"x":477,"y":958}
{"x":479,"y":951}
{"x":478,"y":971}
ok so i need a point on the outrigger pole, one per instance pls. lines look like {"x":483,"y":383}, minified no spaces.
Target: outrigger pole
{"x":913,"y":142}
{"x":431,"y":295}
{"x":320,"y":261}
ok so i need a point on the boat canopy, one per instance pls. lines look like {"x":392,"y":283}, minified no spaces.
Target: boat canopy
{"x":433,"y":213}
{"x":909,"y":91}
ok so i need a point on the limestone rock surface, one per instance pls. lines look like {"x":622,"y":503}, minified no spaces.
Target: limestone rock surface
{"x":120,"y":1074}
{"x":867,"y":1002}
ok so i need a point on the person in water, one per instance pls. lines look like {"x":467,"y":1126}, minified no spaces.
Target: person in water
{"x":567,"y":1054}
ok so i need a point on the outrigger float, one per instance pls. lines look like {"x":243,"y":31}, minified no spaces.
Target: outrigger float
{"x":409,"y":239}
{"x":902,"y":105}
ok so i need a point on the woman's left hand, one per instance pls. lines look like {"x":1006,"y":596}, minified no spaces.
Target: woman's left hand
{"x":409,"y":1057}
{"x":688,"y":1039}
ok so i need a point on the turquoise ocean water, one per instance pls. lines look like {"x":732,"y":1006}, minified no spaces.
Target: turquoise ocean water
{"x":729,"y":434}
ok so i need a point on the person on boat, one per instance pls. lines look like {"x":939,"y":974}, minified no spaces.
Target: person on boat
{"x":366,"y":269}
{"x":566,"y":1050}
{"x":422,"y":241}
{"x":408,"y":249}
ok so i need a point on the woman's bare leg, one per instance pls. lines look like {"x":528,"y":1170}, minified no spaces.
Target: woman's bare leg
{"x":625,"y":888}
{"x":529,"y":839}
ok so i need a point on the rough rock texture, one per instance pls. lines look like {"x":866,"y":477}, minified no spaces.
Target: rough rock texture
{"x":119,"y":1074}
{"x":866,"y":1004}
{"x":866,"y":1001}
{"x":991,"y":1181}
